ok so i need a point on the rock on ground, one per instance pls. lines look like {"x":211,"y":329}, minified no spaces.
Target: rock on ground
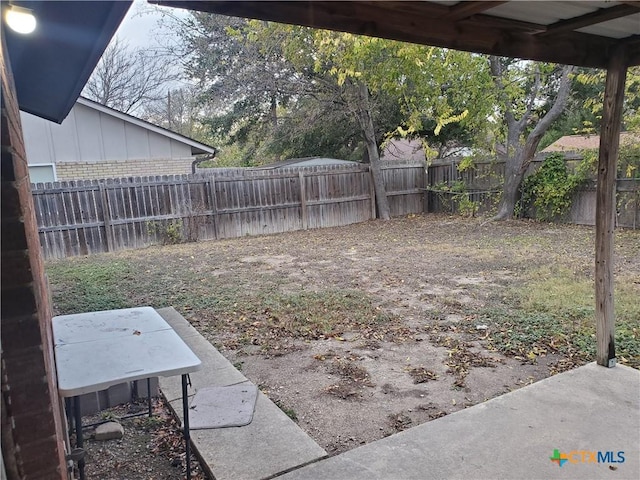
{"x":109,"y":431}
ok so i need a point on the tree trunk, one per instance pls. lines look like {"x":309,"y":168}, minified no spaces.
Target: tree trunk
{"x":273,"y":114}
{"x":512,"y":181}
{"x":368,"y":131}
{"x":519,"y":155}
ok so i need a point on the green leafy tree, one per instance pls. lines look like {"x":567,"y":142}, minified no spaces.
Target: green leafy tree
{"x":283,"y":90}
{"x":242,"y":73}
{"x":521,"y":87}
{"x":423,"y":79}
{"x":583,"y":113}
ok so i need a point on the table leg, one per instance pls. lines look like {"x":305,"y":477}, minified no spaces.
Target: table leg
{"x":79,"y":440}
{"x":149,"y":394}
{"x":185,"y":414}
{"x":68,"y":410}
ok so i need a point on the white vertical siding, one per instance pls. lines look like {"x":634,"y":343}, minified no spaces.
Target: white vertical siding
{"x":179,"y":150}
{"x":137,"y":141}
{"x":89,"y":134}
{"x":159,"y":146}
{"x":65,"y":139}
{"x":37,"y":139}
{"x":115,"y":141}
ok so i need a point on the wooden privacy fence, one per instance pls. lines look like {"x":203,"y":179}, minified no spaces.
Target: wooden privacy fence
{"x":91,"y":216}
{"x":483,"y":185}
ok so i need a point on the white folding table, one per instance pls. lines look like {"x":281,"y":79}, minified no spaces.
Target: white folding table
{"x":96,"y":350}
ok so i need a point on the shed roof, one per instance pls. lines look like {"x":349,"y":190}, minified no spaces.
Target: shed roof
{"x":306,"y":162}
{"x":583,"y":33}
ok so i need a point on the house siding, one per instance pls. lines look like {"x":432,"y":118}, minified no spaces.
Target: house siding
{"x":92,"y":144}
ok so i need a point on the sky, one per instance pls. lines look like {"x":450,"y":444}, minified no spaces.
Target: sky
{"x":141,"y":26}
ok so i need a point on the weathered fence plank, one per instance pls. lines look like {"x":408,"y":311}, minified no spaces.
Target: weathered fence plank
{"x":106,"y":219}
{"x":484,"y":180}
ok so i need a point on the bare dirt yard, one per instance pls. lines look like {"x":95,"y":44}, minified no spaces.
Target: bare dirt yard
{"x":362,"y":331}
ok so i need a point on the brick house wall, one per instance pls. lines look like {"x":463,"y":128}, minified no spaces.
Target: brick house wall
{"x":32,"y":420}
{"x":122,"y":168}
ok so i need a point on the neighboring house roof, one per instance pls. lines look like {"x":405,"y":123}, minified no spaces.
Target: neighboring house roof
{"x":307,"y":162}
{"x":197,"y":148}
{"x":575,"y":143}
{"x":403,"y":149}
{"x":51,"y":66}
{"x":95,"y":133}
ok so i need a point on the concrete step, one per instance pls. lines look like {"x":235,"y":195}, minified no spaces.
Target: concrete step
{"x":270,"y":445}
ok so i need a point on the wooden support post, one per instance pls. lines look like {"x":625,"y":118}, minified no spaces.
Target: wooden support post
{"x":303,"y":201}
{"x":605,"y":207}
{"x":106,"y":216}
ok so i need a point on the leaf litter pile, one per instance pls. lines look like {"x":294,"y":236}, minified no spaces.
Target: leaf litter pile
{"x":361,"y":331}
{"x":152,"y":448}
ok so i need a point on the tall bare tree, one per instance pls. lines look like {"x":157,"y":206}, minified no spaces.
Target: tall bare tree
{"x":180,"y":111}
{"x":126,"y":78}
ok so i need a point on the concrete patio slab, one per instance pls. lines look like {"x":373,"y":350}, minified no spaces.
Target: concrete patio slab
{"x":514,"y":436}
{"x":270,"y":445}
{"x":216,"y":370}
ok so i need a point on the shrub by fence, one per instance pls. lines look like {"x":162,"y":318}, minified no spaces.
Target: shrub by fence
{"x":482,"y":185}
{"x":82,"y":217}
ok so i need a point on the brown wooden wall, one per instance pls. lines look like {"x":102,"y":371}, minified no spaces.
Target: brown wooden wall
{"x":32,"y":432}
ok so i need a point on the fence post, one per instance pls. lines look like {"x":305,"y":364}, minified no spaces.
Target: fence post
{"x":427,"y":185}
{"x":303,"y":201}
{"x":106,"y":216}
{"x":214,"y":204}
{"x":372,"y":192}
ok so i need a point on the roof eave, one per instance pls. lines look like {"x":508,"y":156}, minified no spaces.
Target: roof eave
{"x":427,"y":23}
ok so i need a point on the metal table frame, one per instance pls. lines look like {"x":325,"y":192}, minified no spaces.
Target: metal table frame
{"x":96,"y":350}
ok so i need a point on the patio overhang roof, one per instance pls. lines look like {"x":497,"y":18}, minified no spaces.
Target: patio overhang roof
{"x":51,"y":65}
{"x":573,"y":33}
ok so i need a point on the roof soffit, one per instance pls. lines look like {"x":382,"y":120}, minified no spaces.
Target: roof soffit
{"x":561,"y":32}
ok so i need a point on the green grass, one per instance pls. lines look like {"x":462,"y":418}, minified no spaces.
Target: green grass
{"x":262,"y":315}
{"x":86,"y":287}
{"x":99,"y":283}
{"x":554,"y":311}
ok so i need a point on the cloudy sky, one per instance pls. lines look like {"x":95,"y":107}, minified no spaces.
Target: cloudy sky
{"x":142,"y":27}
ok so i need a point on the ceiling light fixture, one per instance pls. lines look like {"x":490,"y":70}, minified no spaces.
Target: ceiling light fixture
{"x":20,"y":19}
